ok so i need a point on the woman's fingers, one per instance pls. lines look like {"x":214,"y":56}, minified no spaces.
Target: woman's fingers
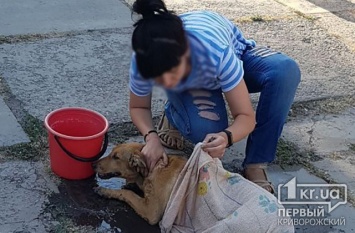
{"x":153,"y":162}
{"x":214,"y":145}
{"x":213,"y":141}
{"x":165,"y":159}
{"x":151,"y":166}
{"x":209,"y":138}
{"x":215,"y":152}
{"x":153,"y":151}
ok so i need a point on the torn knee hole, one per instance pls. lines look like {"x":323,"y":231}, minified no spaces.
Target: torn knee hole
{"x":200,"y":93}
{"x":203,"y":102}
{"x":209,"y":115}
{"x":204,"y":107}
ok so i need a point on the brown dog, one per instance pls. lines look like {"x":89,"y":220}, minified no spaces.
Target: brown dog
{"x":126,"y":161}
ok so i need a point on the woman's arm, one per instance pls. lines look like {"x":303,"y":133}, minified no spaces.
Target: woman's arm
{"x":242,"y":112}
{"x":141,"y":115}
{"x":140,"y":111}
{"x":244,"y":121}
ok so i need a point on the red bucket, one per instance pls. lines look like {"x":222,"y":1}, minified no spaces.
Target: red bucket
{"x":77,"y":137}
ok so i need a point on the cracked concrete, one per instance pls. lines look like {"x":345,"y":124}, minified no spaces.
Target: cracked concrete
{"x":326,"y":15}
{"x":11,"y":133}
{"x":323,"y":134}
{"x":24,"y":187}
{"x":32,"y":17}
{"x":332,"y":137}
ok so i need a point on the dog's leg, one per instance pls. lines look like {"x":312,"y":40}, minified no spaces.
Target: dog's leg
{"x":148,"y":210}
{"x":108,"y":193}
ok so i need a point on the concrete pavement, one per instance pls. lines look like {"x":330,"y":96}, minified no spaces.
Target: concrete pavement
{"x":38,"y":17}
{"x":11,"y":131}
{"x":75,"y":53}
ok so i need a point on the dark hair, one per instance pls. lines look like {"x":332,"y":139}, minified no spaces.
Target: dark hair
{"x":158,"y":38}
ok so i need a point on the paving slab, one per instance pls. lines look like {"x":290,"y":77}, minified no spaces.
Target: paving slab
{"x":332,"y":137}
{"x":323,"y":60}
{"x":304,"y":6}
{"x":339,"y":27}
{"x":330,"y":16}
{"x":323,"y":134}
{"x":24,"y":187}
{"x":241,"y":9}
{"x":340,"y":169}
{"x":334,"y":5}
{"x":11,"y":131}
{"x":88,"y":70}
{"x":91,"y":70}
{"x":38,"y":16}
{"x":326,"y":63}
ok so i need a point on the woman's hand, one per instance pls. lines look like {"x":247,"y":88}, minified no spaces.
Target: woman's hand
{"x":215,"y":144}
{"x":153,"y":151}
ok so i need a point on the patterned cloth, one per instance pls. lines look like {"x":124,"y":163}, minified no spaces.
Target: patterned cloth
{"x":208,"y":198}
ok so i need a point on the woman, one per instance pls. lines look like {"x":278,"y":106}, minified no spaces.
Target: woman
{"x":202,"y":60}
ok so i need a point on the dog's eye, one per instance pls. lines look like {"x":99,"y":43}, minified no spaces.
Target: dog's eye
{"x":115,"y":157}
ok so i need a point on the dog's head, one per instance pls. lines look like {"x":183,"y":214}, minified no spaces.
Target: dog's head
{"x":125,"y":160}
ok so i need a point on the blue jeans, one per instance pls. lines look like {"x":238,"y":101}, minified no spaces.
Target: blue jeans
{"x":195,"y":113}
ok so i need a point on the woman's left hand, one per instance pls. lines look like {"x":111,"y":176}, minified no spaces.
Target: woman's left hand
{"x":215,"y":144}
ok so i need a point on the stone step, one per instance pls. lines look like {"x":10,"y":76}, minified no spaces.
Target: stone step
{"x":11,"y":131}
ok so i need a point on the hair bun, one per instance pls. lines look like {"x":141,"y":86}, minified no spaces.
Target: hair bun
{"x":148,"y":8}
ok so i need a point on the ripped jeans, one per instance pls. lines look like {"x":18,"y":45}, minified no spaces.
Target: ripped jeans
{"x":195,"y":113}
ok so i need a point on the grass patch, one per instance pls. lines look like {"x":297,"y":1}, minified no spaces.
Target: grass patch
{"x":3,"y":87}
{"x":257,"y":18}
{"x":13,"y":39}
{"x":38,"y":145}
{"x":34,"y":128}
{"x":285,"y":152}
{"x":261,"y":19}
{"x":288,"y":154}
{"x":333,"y":105}
{"x":308,"y":17}
{"x":66,"y":225}
{"x":352,"y":147}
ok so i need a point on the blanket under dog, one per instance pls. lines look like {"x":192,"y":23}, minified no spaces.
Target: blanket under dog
{"x":207,"y":198}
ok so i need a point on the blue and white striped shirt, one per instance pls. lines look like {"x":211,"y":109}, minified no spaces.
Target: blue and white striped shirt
{"x":216,"y":46}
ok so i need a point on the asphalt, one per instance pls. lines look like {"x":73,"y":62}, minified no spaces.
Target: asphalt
{"x":77,"y":53}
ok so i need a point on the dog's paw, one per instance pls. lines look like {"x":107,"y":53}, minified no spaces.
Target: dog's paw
{"x":109,"y":193}
{"x":101,"y":191}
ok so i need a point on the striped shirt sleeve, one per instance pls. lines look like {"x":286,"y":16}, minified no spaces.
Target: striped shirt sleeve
{"x":137,"y":84}
{"x":230,"y":70}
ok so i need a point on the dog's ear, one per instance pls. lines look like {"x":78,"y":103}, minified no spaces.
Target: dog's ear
{"x":136,"y":161}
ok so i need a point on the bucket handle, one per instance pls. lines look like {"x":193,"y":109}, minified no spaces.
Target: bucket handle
{"x":73,"y":156}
